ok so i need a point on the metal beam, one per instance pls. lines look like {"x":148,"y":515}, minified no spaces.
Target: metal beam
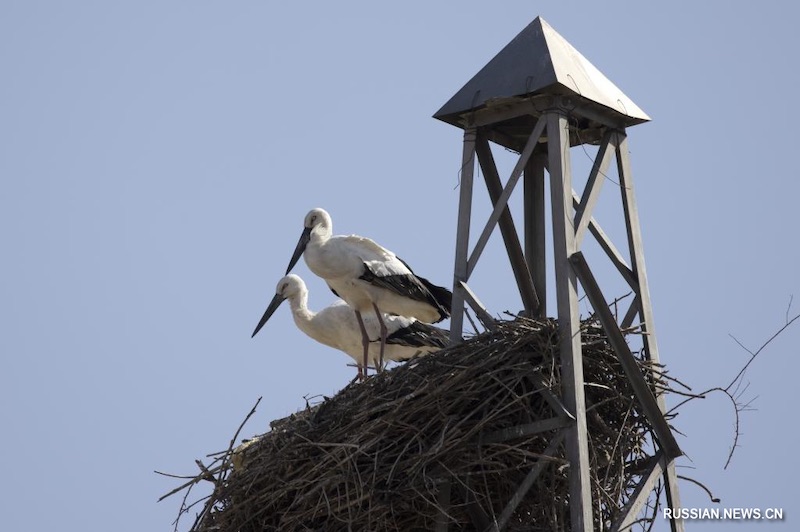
{"x":638,"y":498}
{"x":642,"y":391}
{"x":477,"y":306}
{"x":499,"y":113}
{"x":535,"y":229}
{"x":610,"y":249}
{"x":527,"y":292}
{"x":635,"y":244}
{"x":572,"y":381}
{"x":590,"y":111}
{"x":555,"y":403}
{"x":507,"y":141}
{"x":502,"y":201}
{"x":633,"y":310}
{"x":593,"y":186}
{"x":462,"y":235}
{"x":673,"y":497}
{"x":525,"y":486}
{"x":646,"y":315}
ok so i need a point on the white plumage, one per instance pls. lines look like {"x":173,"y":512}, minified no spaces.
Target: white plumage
{"x":336,"y":326}
{"x":369,"y":277}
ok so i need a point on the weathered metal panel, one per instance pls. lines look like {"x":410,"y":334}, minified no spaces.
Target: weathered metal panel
{"x":540,"y":61}
{"x":522,"y":67}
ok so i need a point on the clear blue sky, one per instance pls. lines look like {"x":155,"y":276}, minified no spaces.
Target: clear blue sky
{"x":157,"y":158}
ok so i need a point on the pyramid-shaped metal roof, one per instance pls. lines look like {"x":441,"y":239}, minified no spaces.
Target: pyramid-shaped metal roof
{"x":540,"y":61}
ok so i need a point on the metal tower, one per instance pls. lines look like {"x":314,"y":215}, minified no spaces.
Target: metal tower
{"x":538,"y":97}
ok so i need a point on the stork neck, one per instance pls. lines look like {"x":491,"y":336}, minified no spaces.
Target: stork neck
{"x":304,"y":319}
{"x":299,"y":306}
{"x":302,"y":315}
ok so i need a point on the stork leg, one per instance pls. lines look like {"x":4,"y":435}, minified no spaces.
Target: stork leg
{"x":384,"y":333}
{"x":365,"y":343}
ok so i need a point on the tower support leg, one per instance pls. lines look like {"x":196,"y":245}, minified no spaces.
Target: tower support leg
{"x":460,"y":272}
{"x":577,"y":441}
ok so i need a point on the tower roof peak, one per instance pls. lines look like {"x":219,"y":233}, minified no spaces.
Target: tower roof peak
{"x":539,"y":61}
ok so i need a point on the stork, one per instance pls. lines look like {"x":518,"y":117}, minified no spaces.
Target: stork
{"x":337,"y":327}
{"x":369,"y":277}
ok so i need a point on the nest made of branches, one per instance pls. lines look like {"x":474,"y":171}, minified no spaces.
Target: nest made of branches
{"x":447,"y":439}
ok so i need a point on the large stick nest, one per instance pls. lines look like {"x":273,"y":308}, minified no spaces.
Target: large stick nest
{"x":446,"y":438}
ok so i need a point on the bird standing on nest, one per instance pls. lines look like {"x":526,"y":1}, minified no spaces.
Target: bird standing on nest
{"x":369,"y":277}
{"x":336,"y":326}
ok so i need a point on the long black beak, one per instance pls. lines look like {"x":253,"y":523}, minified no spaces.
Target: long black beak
{"x":273,"y":305}
{"x":301,"y":247}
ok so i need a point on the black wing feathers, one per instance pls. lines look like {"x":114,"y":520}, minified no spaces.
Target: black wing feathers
{"x":415,"y":287}
{"x":419,"y":334}
{"x":443,"y":296}
{"x":403,"y":284}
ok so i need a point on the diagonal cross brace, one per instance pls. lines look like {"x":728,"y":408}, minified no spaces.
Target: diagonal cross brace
{"x":502,"y":201}
{"x":610,"y":249}
{"x":525,"y":486}
{"x":641,"y":390}
{"x":477,"y":306}
{"x":583,"y":210}
{"x":522,"y":274}
{"x":638,"y":498}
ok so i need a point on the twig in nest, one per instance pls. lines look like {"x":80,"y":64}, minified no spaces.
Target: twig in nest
{"x":206,"y":474}
{"x":241,"y":426}
{"x":194,"y":480}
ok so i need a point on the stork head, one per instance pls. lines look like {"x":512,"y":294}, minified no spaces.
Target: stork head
{"x":288,"y":287}
{"x":318,"y":218}
{"x":318,"y":222}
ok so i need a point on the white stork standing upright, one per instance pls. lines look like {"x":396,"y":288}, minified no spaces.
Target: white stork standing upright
{"x":336,"y":326}
{"x":369,"y":277}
